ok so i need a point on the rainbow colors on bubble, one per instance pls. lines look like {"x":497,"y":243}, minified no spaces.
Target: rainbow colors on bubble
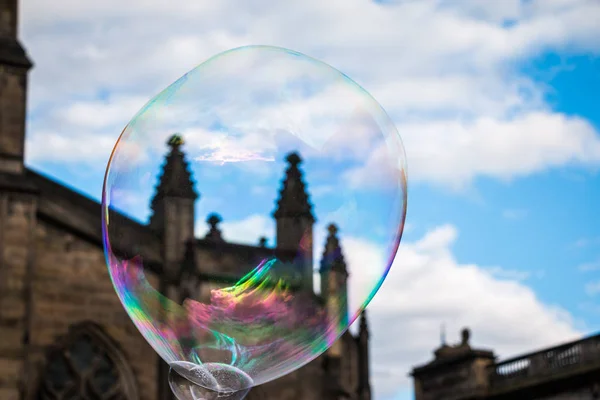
{"x":224,"y":313}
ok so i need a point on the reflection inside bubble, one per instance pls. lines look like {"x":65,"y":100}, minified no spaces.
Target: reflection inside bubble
{"x":217,"y":381}
{"x":226,"y":315}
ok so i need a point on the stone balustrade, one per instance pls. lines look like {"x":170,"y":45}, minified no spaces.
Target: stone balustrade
{"x":534,"y":368}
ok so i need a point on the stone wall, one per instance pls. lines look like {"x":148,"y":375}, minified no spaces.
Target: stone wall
{"x":17,"y":221}
{"x":12,"y":118}
{"x":350,"y":363}
{"x":227,"y":260}
{"x":305,"y":383}
{"x":71,"y":285}
{"x":8,"y":17}
{"x":585,"y":393}
{"x":52,"y":278}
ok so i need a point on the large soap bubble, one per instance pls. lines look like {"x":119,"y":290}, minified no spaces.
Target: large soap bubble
{"x":225,"y":311}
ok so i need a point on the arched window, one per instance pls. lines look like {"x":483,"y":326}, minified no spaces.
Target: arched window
{"x":86,"y":365}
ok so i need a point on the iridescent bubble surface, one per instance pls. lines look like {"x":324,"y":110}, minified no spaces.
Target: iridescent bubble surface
{"x":183,"y":375}
{"x":280,"y":145}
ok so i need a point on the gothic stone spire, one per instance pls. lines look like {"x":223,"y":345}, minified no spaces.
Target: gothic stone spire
{"x":11,"y":51}
{"x":293,"y":199}
{"x":9,"y":18}
{"x":364,"y":380}
{"x":295,"y":220}
{"x":333,"y":259}
{"x":173,"y":219}
{"x":334,"y":278}
{"x":14,"y":68}
{"x":176,"y":179}
{"x":363,"y":327}
{"x":187,"y":272}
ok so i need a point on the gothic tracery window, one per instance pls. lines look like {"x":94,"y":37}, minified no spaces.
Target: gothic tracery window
{"x":82,"y":368}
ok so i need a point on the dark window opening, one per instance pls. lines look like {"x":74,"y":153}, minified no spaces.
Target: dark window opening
{"x":82,"y":370}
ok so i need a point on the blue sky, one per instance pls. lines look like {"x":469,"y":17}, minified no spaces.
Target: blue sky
{"x":539,"y":223}
{"x":500,"y":123}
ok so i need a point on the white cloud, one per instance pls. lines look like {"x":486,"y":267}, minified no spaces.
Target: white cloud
{"x":81,"y":131}
{"x":445,"y":76}
{"x":427,"y":287}
{"x":87,"y":149}
{"x":383,"y":168}
{"x":450,"y":153}
{"x":445,"y":152}
{"x":442,"y":72}
{"x":95,"y":115}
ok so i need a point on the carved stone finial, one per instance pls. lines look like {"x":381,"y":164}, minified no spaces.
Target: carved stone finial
{"x":443,"y":335}
{"x":332,"y":229}
{"x":175,"y":141}
{"x":446,"y":351}
{"x":465,"y":336}
{"x":333,"y":259}
{"x":363,"y":325}
{"x":293,"y":199}
{"x":333,"y":244}
{"x":213,"y":221}
{"x":294,"y":159}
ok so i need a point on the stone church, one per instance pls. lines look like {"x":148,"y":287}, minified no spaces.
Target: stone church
{"x":63,"y":332}
{"x":569,"y":371}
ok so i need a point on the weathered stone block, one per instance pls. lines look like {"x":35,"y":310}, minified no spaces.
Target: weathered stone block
{"x":10,"y":371}
{"x":9,"y":393}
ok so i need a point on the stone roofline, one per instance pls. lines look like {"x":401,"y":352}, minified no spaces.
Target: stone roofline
{"x":595,"y":338}
{"x":566,"y":361}
{"x":12,"y":53}
{"x":444,"y":363}
{"x":16,"y":183}
{"x":66,"y":207}
{"x":517,"y":377}
{"x":74,"y":211}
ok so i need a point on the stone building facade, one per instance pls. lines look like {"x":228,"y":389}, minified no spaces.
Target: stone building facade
{"x":63,"y":332}
{"x":570,"y":371}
